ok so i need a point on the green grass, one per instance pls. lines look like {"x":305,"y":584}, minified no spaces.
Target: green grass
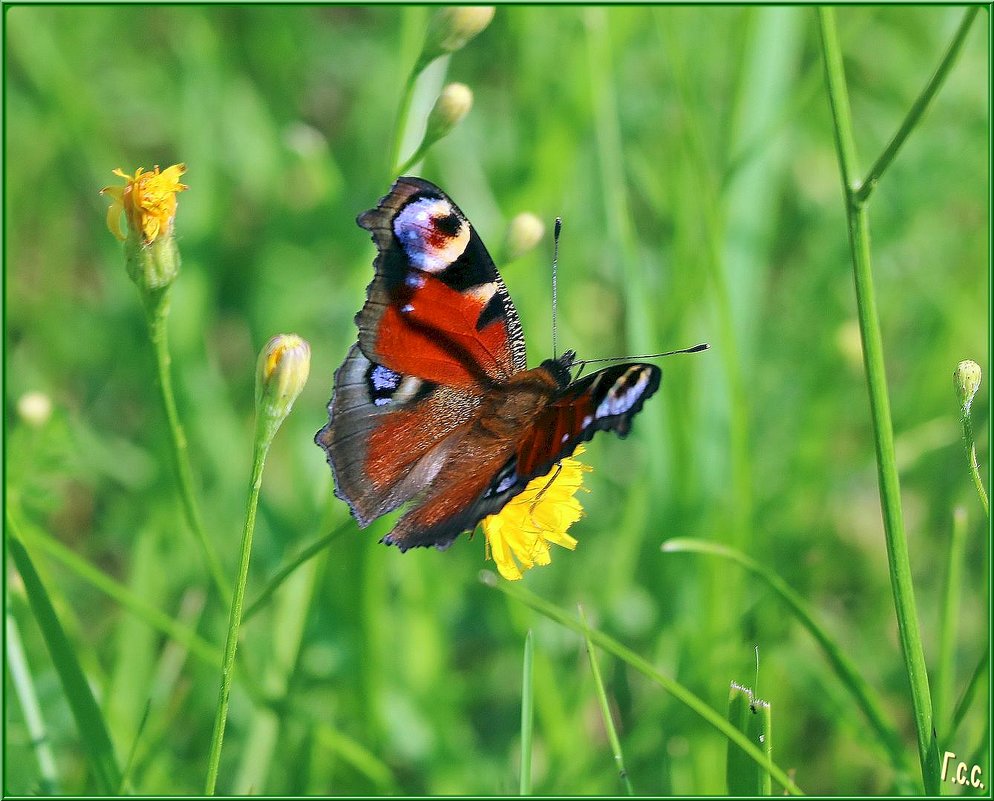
{"x":691,"y":154}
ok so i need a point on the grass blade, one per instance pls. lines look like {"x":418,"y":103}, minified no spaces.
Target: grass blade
{"x":674,"y":688}
{"x":527,"y":715}
{"x":20,"y":675}
{"x":752,"y":716}
{"x":94,"y":739}
{"x":114,"y":589}
{"x":612,"y":734}
{"x":850,"y":677}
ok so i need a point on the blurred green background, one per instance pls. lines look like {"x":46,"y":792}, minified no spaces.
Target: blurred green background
{"x":690,"y":153}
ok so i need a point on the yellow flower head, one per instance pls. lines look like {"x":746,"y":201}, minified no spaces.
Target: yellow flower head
{"x":518,"y":536}
{"x":147,"y":200}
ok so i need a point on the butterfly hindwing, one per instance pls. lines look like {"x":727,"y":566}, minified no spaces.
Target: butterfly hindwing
{"x":603,"y":401}
{"x":437,"y":307}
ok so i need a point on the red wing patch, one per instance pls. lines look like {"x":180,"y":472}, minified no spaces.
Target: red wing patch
{"x":437,"y":308}
{"x":431,"y":331}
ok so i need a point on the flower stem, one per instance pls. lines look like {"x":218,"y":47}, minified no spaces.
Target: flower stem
{"x":971,"y":457}
{"x":235,"y":617}
{"x":400,"y":125}
{"x":157,"y":311}
{"x":876,"y":379}
{"x":869,"y":183}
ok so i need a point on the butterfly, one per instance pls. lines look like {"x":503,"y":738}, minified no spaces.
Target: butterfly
{"x":435,"y":406}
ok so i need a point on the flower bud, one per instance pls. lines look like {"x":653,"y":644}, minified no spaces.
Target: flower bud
{"x":452,"y":105}
{"x":966,"y":380}
{"x":281,"y":373}
{"x":34,"y":408}
{"x":451,"y":28}
{"x":148,"y":203}
{"x":524,"y":232}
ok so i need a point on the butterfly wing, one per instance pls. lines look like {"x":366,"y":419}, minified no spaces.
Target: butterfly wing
{"x":603,"y":401}
{"x":436,"y":308}
{"x":437,"y":328}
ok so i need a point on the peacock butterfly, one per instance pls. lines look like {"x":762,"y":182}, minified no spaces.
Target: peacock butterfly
{"x":435,"y":404}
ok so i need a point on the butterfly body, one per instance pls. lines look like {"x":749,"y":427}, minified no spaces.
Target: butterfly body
{"x":435,"y":406}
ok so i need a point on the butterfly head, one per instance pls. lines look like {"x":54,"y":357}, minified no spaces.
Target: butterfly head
{"x":561,"y":368}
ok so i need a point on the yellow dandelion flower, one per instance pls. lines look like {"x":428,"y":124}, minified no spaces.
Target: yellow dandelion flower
{"x":519,"y":535}
{"x":147,"y":200}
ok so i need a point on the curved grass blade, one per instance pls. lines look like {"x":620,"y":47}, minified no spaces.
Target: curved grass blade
{"x":844,"y":667}
{"x":643,"y":666}
{"x":94,"y":739}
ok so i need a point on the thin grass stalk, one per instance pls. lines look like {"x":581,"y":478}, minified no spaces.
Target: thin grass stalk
{"x":876,"y":379}
{"x":527,"y":714}
{"x":24,"y":689}
{"x":918,"y":108}
{"x":235,"y":618}
{"x":157,"y":317}
{"x":965,"y":703}
{"x":606,"y":716}
{"x":626,"y":655}
{"x":945,"y":673}
{"x":132,"y":760}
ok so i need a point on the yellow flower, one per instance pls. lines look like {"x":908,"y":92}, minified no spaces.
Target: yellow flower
{"x":147,"y":200}
{"x":518,"y":536}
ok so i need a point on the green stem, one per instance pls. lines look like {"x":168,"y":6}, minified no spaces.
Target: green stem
{"x":945,"y":673}
{"x":235,"y":617}
{"x":869,"y":183}
{"x":674,"y":688}
{"x":876,"y":378}
{"x":971,"y":458}
{"x":612,"y":734}
{"x":400,"y":125}
{"x":157,"y":312}
{"x":527,"y":715}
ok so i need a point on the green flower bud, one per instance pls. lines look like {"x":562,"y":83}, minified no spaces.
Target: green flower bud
{"x":281,"y":373}
{"x":452,"y":105}
{"x":524,"y":232}
{"x":451,"y":28}
{"x":966,"y":381}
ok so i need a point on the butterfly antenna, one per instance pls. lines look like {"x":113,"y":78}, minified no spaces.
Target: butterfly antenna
{"x":695,"y":349}
{"x":555,"y":298}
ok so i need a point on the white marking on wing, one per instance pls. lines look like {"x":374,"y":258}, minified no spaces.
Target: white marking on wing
{"x":619,"y":400}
